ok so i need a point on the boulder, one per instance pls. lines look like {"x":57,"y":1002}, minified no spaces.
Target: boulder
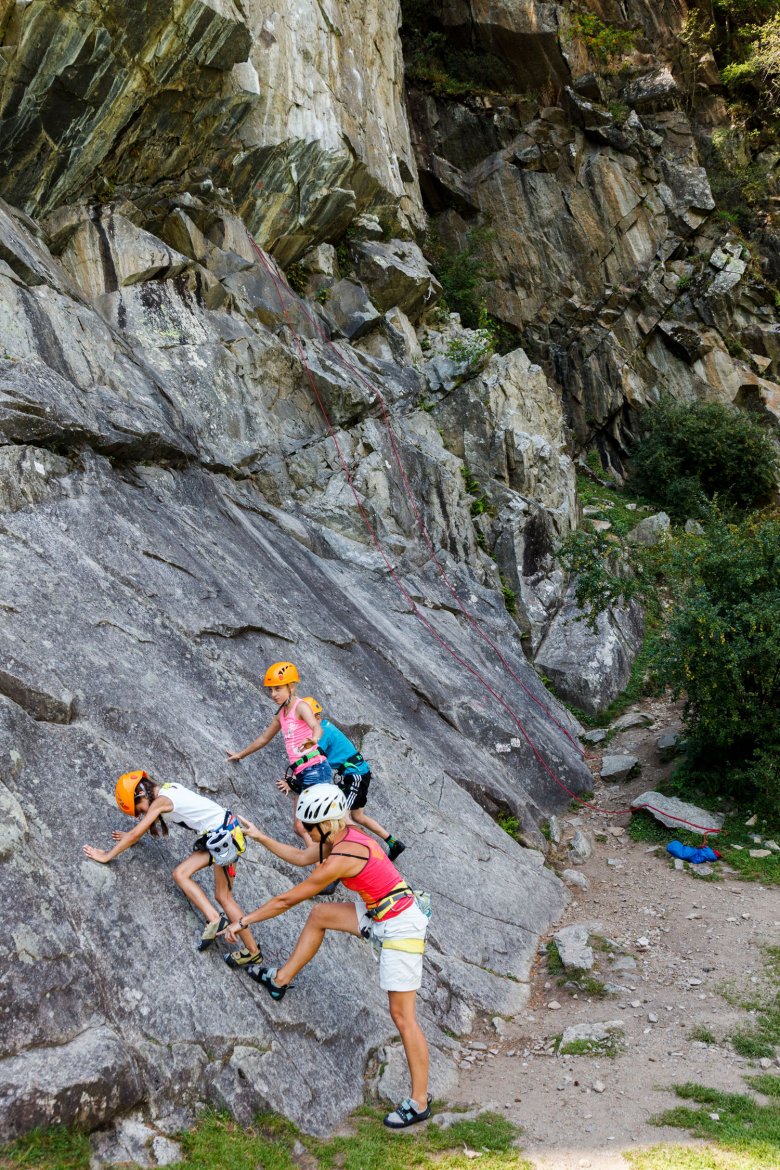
{"x":668,"y":746}
{"x":651,"y":531}
{"x":107,"y":251}
{"x":677,"y":814}
{"x":614,"y":768}
{"x":630,"y":720}
{"x":396,"y":274}
{"x":349,"y":311}
{"x":572,"y":944}
{"x":587,"y":668}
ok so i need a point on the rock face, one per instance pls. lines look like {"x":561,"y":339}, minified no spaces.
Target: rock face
{"x":177,"y":516}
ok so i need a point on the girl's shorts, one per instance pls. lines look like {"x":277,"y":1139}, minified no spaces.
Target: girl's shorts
{"x":398,"y":970}
{"x":315,"y":774}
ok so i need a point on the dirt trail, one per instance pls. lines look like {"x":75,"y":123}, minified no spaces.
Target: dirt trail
{"x":700,"y":937}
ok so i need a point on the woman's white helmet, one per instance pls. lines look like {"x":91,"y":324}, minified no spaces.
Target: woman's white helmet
{"x":321,"y":802}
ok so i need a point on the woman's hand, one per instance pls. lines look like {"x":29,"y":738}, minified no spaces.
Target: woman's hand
{"x":230,"y":933}
{"x":250,"y":830}
{"x":94,"y":854}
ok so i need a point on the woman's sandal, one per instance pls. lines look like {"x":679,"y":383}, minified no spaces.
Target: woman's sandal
{"x":265,"y":977}
{"x":406,"y":1114}
{"x":211,"y":930}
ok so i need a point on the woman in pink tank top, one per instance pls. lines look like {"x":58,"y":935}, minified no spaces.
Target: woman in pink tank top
{"x":390,"y":917}
{"x":295,"y":719}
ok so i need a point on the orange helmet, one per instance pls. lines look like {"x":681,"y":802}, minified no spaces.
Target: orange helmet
{"x":315,"y":706}
{"x":125,"y":790}
{"x":281,"y":673}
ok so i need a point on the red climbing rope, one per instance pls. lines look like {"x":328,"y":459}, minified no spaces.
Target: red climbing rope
{"x":473,"y":622}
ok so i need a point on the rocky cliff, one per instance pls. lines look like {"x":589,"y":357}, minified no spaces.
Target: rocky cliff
{"x":238,"y":425}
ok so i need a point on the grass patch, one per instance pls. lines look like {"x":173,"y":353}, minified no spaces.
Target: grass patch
{"x":612,"y":502}
{"x":218,"y":1142}
{"x":686,"y":1158}
{"x":509,"y":824}
{"x":554,"y":964}
{"x":609,"y":1047}
{"x":766,"y":1083}
{"x":740,"y":1124}
{"x":702,"y":1034}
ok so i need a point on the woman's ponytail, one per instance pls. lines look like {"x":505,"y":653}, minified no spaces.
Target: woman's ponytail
{"x":146,"y":788}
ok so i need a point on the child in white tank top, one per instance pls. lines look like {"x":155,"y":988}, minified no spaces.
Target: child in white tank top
{"x":139,"y":795}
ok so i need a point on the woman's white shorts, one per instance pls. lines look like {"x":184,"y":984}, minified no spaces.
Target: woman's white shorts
{"x":398,"y":970}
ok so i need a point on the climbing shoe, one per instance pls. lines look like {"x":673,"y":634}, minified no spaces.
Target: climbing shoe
{"x":242,"y":958}
{"x":211,"y":930}
{"x":396,"y":849}
{"x":331,"y":887}
{"x":407,"y":1114}
{"x":265,"y":977}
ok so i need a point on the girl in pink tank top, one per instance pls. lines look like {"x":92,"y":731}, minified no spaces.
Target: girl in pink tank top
{"x":295,"y":719}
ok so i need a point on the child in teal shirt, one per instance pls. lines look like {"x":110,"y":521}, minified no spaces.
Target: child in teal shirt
{"x":354,"y":777}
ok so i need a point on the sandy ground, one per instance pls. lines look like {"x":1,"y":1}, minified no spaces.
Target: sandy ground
{"x":701,"y":938}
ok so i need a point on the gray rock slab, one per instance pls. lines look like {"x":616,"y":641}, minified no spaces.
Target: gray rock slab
{"x":572,"y":944}
{"x":631,"y":719}
{"x":668,"y":746}
{"x":596,"y":1033}
{"x":618,"y":767}
{"x":651,"y":531}
{"x":349,"y":310}
{"x":84,"y":1082}
{"x":677,"y":814}
{"x":580,"y":848}
{"x":573,"y":877}
{"x":598,"y":735}
{"x":397,"y":273}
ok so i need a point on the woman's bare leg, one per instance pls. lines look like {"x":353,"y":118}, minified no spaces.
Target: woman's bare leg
{"x":334,"y":916}
{"x":403,"y":1009}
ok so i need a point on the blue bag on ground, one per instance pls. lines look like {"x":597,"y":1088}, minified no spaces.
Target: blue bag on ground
{"x":691,"y":853}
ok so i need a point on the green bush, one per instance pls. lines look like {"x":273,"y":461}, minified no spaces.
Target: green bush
{"x":693,"y":452}
{"x":721,"y":649}
{"x":462,"y":272}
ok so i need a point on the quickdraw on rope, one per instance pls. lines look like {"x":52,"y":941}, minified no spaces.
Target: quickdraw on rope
{"x":279,"y":286}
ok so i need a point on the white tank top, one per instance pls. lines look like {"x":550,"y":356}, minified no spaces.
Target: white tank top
{"x":191,"y":810}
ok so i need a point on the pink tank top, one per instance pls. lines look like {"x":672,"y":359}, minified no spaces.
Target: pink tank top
{"x":295,"y":733}
{"x":377,"y":877}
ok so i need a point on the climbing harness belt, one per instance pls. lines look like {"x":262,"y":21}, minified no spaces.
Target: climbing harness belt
{"x":385,"y":905}
{"x":304,"y":759}
{"x":462,"y":659}
{"x":350,"y":763}
{"x":413,"y":946}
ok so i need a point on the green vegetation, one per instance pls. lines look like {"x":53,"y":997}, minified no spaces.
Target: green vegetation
{"x":609,"y":1047}
{"x":462,"y":272}
{"x":509,"y":824}
{"x":763,"y":1037}
{"x":693,"y":452}
{"x":583,"y":982}
{"x":607,"y":42}
{"x":297,"y":279}
{"x":448,"y":68}
{"x":712,"y":598}
{"x":702,"y":1034}
{"x":481,"y":504}
{"x":218,"y":1142}
{"x":741,"y":1124}
{"x":509,"y":596}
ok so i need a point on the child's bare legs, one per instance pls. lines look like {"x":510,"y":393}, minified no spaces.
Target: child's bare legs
{"x":361,"y":817}
{"x":182,"y":875}
{"x":224,"y":896}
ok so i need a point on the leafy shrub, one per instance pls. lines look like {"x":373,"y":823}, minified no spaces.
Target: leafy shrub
{"x":693,"y":452}
{"x":721,"y":648}
{"x":447,"y":68}
{"x":462,"y":272}
{"x":606,"y":42}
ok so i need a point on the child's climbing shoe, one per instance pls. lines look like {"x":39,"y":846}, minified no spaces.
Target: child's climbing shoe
{"x":407,"y":1114}
{"x":242,"y":958}
{"x":396,"y":849}
{"x":211,"y":931}
{"x":265,"y":977}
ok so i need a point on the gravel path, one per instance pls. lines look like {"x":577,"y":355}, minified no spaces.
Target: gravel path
{"x":679,"y":941}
